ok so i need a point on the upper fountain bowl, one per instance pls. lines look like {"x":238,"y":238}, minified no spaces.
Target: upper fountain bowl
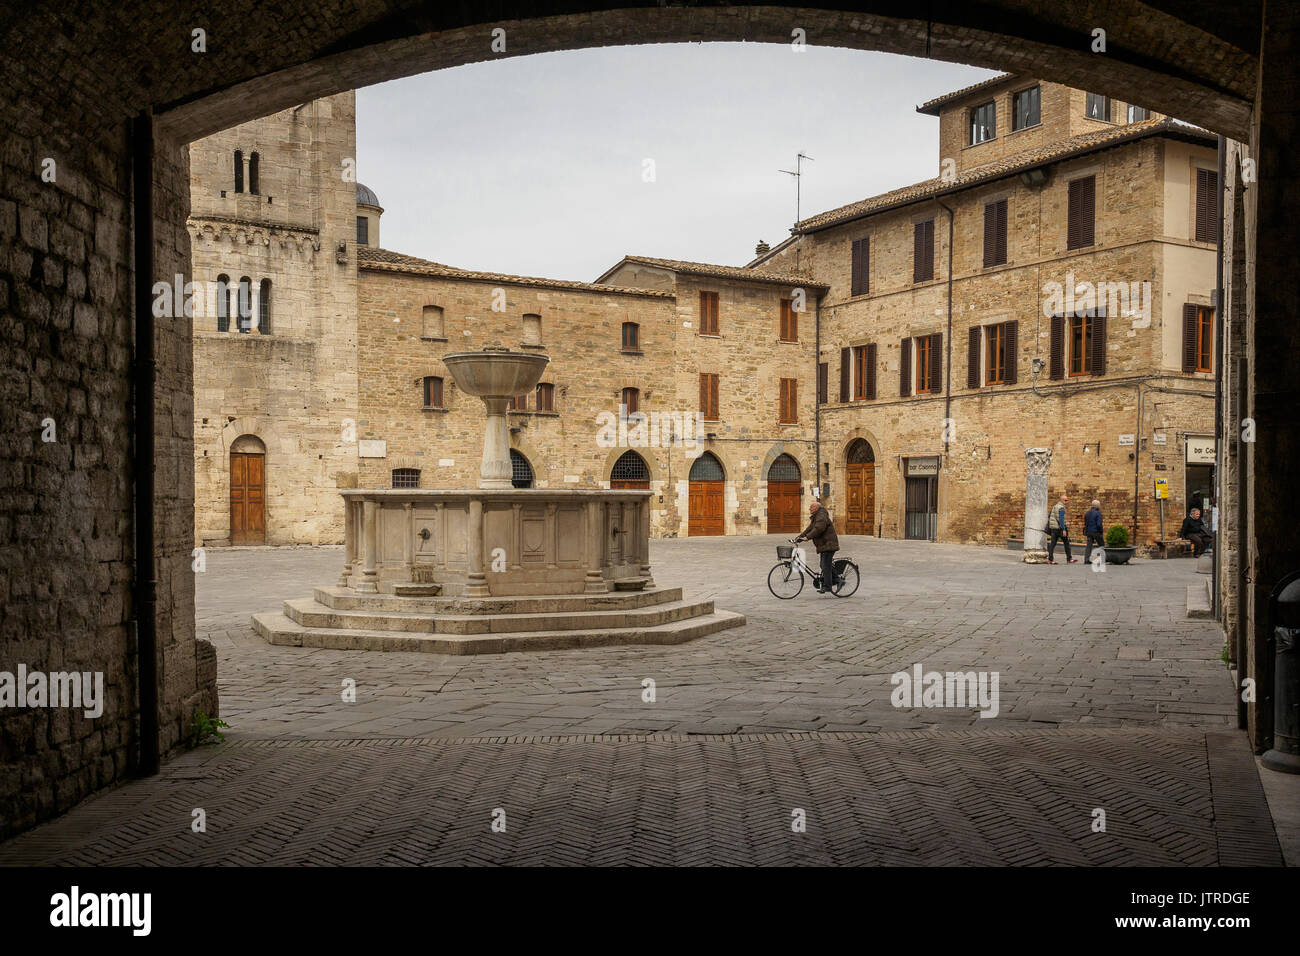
{"x":496,"y":372}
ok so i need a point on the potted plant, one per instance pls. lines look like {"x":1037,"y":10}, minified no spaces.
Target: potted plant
{"x":1117,"y":549}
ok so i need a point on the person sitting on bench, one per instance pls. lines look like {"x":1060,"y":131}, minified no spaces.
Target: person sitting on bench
{"x":1193,"y":530}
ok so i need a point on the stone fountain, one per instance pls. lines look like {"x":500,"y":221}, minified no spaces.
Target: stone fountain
{"x":496,"y":568}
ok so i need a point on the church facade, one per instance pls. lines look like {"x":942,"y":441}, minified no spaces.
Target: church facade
{"x":1049,"y":288}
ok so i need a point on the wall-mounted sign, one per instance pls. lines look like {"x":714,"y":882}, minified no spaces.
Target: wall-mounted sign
{"x":1162,"y":487}
{"x":1200,"y":449}
{"x":1126,"y":439}
{"x":1157,"y":438}
{"x":372,"y":448}
{"x":922,"y":467}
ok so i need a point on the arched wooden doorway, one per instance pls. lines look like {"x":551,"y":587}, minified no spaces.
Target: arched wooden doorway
{"x":707,"y":493}
{"x":521,"y":472}
{"x":630,"y":471}
{"x":784,"y":496}
{"x":859,"y":488}
{"x":247,"y":491}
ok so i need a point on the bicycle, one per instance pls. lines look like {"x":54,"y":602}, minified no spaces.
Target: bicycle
{"x":785,"y":580}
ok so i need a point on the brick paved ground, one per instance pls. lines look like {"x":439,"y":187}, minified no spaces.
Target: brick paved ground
{"x":1110,"y":699}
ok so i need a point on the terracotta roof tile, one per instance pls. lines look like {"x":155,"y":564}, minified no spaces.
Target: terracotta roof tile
{"x":741,"y":273}
{"x":932,"y":106}
{"x":385,"y":260}
{"x":1053,"y":152}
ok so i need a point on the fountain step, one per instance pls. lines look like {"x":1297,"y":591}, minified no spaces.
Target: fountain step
{"x":280,"y":630}
{"x":310,"y":613}
{"x":346,"y":599}
{"x":416,"y":590}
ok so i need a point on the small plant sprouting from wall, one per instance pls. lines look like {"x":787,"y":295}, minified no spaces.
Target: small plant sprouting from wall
{"x":205,"y":730}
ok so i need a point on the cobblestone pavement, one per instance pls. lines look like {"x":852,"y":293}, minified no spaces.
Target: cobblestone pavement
{"x":1110,"y":700}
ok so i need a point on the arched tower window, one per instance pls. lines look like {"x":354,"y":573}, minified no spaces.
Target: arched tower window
{"x":253,"y":162}
{"x":223,"y":303}
{"x":245,"y":304}
{"x":264,"y":307}
{"x":239,"y":170}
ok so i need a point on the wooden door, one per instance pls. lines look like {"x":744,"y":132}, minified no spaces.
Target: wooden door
{"x":784,"y":507}
{"x":705,"y":502}
{"x":247,"y":499}
{"x":860,"y":498}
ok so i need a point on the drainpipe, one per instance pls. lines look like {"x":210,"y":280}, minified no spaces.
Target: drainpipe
{"x":1137,"y":463}
{"x":817,"y":403}
{"x":947,"y":365}
{"x":1220,"y":446}
{"x":146,"y":583}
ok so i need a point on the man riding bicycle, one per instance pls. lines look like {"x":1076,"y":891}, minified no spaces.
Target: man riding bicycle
{"x":821,"y":532}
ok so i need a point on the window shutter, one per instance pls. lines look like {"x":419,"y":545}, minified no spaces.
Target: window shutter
{"x":990,"y":234}
{"x":905,"y":368}
{"x":1002,"y":232}
{"x":704,"y":394}
{"x":1189,"y":337}
{"x":923,"y":251}
{"x":713,"y":398}
{"x":1098,"y":323}
{"x":973,"y":358}
{"x":792,"y":400}
{"x":861,"y":278}
{"x":871,"y":371}
{"x":1012,"y":334}
{"x":845,"y":370}
{"x":929,"y":249}
{"x":936,"y":362}
{"x":1207,"y":204}
{"x":1080,"y":231}
{"x":1056,"y":359}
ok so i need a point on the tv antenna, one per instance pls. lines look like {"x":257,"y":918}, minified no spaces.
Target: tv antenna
{"x":797,"y":173}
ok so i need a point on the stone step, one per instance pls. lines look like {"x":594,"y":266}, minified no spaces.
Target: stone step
{"x":1198,"y":600}
{"x":403,"y":589}
{"x":280,"y":630}
{"x":310,"y":613}
{"x":345,"y":599}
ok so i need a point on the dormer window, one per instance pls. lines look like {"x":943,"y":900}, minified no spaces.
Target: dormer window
{"x":1026,"y":108}
{"x":983,"y":123}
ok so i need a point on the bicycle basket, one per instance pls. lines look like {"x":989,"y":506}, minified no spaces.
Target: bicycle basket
{"x":784,"y":551}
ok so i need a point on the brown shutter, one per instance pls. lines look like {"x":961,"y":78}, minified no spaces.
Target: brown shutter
{"x":990,"y":234}
{"x":905,"y":368}
{"x":1098,"y":323}
{"x":929,"y":249}
{"x":861,"y":279}
{"x":1207,"y":204}
{"x":973,"y":358}
{"x":845,"y":370}
{"x":1081,"y":215}
{"x":1056,"y":359}
{"x":1002,"y":232}
{"x":923,"y":251}
{"x":1012,"y":334}
{"x":1189,"y":337}
{"x":871,"y":370}
{"x":704,"y":394}
{"x":793,"y":401}
{"x":1089,"y":225}
{"x":936,"y":362}
{"x":713,"y":398}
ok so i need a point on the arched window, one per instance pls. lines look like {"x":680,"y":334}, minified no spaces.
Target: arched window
{"x":630,"y":467}
{"x":264,"y":307}
{"x":707,"y":468}
{"x":631,"y":336}
{"x":223,"y":303}
{"x":245,"y":304}
{"x":784,"y":468}
{"x":432,"y":326}
{"x":521,"y":473}
{"x":406,"y":477}
{"x":239,"y":170}
{"x":860,"y":453}
{"x":631,"y":400}
{"x":532,"y":330}
{"x":252,"y":173}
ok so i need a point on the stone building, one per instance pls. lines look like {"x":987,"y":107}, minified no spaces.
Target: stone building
{"x":857,"y":359}
{"x":1051,"y":287}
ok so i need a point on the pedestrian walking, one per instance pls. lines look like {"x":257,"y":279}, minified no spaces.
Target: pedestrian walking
{"x":1092,"y":525}
{"x":1058,"y":531}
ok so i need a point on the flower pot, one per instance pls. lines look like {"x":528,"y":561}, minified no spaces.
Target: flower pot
{"x":1119,"y":555}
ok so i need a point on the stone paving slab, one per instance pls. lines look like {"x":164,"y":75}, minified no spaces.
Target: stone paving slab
{"x":1009,"y":797}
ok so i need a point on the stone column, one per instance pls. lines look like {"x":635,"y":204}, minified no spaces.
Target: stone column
{"x":595,"y":582}
{"x":1038,"y":464}
{"x":349,"y":543}
{"x":476,"y":580}
{"x":495,"y":471}
{"x":409,"y":508}
{"x":370,"y":547}
{"x":643,"y":542}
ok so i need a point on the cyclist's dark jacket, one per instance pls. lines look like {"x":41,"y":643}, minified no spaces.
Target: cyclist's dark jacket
{"x":821,"y":532}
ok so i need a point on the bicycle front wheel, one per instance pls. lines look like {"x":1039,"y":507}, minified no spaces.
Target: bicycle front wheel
{"x":847,"y":583}
{"x":784,"y":580}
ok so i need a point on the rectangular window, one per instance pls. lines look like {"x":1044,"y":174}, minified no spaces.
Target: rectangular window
{"x":1026,"y":108}
{"x":995,"y":233}
{"x":1080,"y":344}
{"x":406,"y":477}
{"x":983,"y":123}
{"x":545,"y":397}
{"x":709,"y":396}
{"x":708,"y":313}
{"x":1205,"y":340}
{"x":432,"y":392}
{"x":789,"y":408}
{"x":631,"y":400}
{"x":518,"y":404}
{"x":923,"y":251}
{"x":631,"y":336}
{"x":995,"y":366}
{"x":922,"y":349}
{"x":1097,"y":107}
{"x":363,"y":231}
{"x":789,"y":322}
{"x":1207,"y":205}
{"x":823,"y":382}
{"x":1081,"y":213}
{"x":1136,"y":114}
{"x":860,"y":279}
{"x":861,"y":372}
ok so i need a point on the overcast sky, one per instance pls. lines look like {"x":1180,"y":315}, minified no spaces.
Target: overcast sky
{"x":534,"y":165}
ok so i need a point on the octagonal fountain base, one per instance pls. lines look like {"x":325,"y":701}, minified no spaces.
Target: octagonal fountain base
{"x":487,"y":572}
